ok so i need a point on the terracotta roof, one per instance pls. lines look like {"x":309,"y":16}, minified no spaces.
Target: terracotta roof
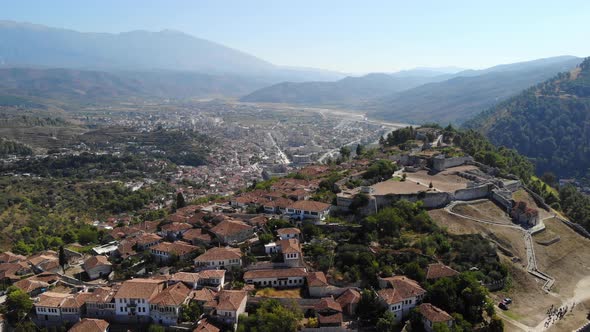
{"x":230,"y":300}
{"x":125,"y":248}
{"x":177,"y":248}
{"x":95,"y":261}
{"x":9,"y":257}
{"x":258,"y":220}
{"x":139,"y":289}
{"x":230,"y":227}
{"x":102,"y":294}
{"x":29,"y":285}
{"x":289,"y":246}
{"x":434,"y":314}
{"x":188,"y":210}
{"x":216,"y":253}
{"x":90,"y":325}
{"x":187,"y":277}
{"x":76,"y":301}
{"x":312,"y":206}
{"x":9,"y":270}
{"x":208,"y":274}
{"x":205,"y":326}
{"x":275,"y":273}
{"x":280,"y":202}
{"x":196,"y":234}
{"x":439,"y":270}
{"x":330,"y":319}
{"x":403,"y":289}
{"x":290,"y":230}
{"x":52,"y":299}
{"x":147,"y":238}
{"x":174,"y":295}
{"x":405,"y":286}
{"x":316,"y":279}
{"x":204,"y":295}
{"x":176,"y":227}
{"x":349,"y":296}
{"x":328,"y":303}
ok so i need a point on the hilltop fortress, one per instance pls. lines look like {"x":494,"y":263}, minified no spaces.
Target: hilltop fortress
{"x":447,"y":179}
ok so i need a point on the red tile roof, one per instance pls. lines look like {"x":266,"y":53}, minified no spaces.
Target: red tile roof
{"x":316,"y":279}
{"x":289,"y":246}
{"x":139,"y":289}
{"x":174,"y":295}
{"x":177,"y":248}
{"x":95,"y":261}
{"x":215,"y":254}
{"x":205,"y":326}
{"x":312,"y":206}
{"x":230,"y":300}
{"x":90,"y":325}
{"x":230,"y":227}
{"x":176,"y":227}
{"x":275,"y":273}
{"x":196,"y":234}
{"x":350,"y":296}
{"x":434,"y":314}
{"x":326,"y":304}
{"x":286,"y":231}
{"x":438,"y":270}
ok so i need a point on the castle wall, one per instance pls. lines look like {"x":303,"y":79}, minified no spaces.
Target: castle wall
{"x":472,"y":193}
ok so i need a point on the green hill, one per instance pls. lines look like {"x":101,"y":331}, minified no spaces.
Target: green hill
{"x":470,"y":92}
{"x":549,"y":123}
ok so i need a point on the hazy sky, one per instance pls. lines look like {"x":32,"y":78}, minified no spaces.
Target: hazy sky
{"x":350,"y":36}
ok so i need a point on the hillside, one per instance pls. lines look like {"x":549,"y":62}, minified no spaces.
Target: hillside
{"x":345,"y":92}
{"x":460,"y":98}
{"x":26,"y":44}
{"x":24,"y":85}
{"x":549,"y":123}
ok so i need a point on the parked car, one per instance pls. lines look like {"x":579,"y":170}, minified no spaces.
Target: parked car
{"x":507,"y":300}
{"x":502,"y":306}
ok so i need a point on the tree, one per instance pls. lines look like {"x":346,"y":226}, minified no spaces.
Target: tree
{"x":180,"y":202}
{"x":265,"y":238}
{"x":370,"y":308}
{"x":156,"y":328}
{"x":440,"y":327}
{"x":359,"y":150}
{"x":345,"y":152}
{"x":496,"y":324}
{"x":430,"y":185}
{"x":272,"y":316}
{"x":191,"y":312}
{"x":19,"y":302}
{"x":63,"y":259}
{"x":386,"y":323}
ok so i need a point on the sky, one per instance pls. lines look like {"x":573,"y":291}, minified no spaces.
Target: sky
{"x":341,"y":35}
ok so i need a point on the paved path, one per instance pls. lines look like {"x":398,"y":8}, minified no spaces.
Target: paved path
{"x":528,"y":242}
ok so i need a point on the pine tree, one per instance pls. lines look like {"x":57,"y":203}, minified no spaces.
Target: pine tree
{"x":180,"y":203}
{"x":63,"y":260}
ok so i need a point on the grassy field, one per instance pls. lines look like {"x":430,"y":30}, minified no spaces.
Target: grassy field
{"x":283,"y":293}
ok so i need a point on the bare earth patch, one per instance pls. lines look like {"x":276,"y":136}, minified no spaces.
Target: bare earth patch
{"x":568,"y":261}
{"x":485,"y":210}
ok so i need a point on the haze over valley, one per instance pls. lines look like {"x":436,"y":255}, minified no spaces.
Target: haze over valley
{"x":309,"y":166}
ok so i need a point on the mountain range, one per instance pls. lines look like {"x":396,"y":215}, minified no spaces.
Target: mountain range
{"x":413,"y":98}
{"x":90,"y":86}
{"x":549,"y":123}
{"x":348,"y":91}
{"x":24,"y":44}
